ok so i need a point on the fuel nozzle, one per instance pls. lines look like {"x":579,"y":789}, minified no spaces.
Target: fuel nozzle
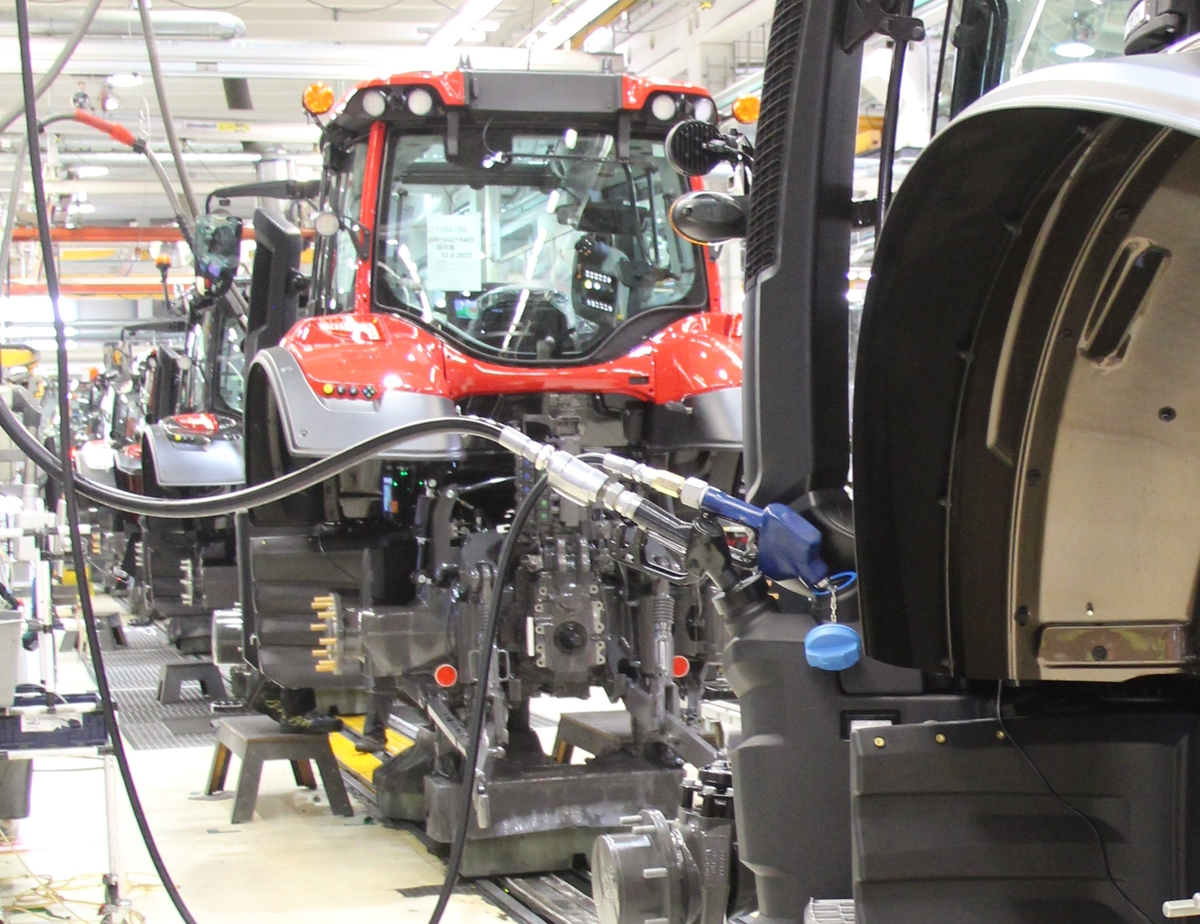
{"x":789,"y":547}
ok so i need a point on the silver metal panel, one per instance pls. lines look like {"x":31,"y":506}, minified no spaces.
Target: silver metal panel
{"x":1162,"y":89}
{"x":217,"y":463}
{"x":1119,"y":532}
{"x":318,"y":427}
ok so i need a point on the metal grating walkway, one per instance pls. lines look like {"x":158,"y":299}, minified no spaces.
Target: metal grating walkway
{"x":146,"y":724}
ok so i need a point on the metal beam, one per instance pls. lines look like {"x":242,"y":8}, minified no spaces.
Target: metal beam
{"x":664,"y":51}
{"x":251,"y":58}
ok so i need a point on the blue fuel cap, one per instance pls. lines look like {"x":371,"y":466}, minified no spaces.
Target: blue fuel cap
{"x":832,"y":646}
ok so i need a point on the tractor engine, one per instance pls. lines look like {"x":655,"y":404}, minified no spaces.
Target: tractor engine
{"x":400,"y":624}
{"x":574,"y":614}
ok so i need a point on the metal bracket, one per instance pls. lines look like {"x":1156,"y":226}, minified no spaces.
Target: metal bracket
{"x":865,"y":18}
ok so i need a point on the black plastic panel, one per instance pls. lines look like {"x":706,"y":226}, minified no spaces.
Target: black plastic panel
{"x":965,"y":831}
{"x":792,"y":766}
{"x":521,"y":91}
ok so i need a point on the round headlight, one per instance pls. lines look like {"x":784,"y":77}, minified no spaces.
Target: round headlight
{"x":420,"y":102}
{"x":704,"y":110}
{"x":664,"y":107}
{"x":374,"y":103}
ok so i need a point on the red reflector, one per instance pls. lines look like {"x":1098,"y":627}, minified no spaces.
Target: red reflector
{"x":446,"y":675}
{"x":197,"y":423}
{"x":682,"y":666}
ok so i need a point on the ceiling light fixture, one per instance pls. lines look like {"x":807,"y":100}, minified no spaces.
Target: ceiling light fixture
{"x":1074,"y":49}
{"x":90,"y":171}
{"x":455,"y":29}
{"x":125,"y":81}
{"x":574,"y":22}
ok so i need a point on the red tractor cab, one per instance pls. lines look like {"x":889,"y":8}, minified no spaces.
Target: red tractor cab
{"x":496,"y":244}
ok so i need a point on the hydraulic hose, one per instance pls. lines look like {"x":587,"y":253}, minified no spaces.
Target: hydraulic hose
{"x":64,"y":406}
{"x":115,"y":131}
{"x":508,"y":553}
{"x":245,"y":498}
{"x":164,"y":108}
{"x":56,"y":68}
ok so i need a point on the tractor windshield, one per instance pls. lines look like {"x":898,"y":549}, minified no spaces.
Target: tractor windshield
{"x":535,"y":253}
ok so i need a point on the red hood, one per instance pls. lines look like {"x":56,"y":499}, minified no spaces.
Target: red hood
{"x":356,"y":356}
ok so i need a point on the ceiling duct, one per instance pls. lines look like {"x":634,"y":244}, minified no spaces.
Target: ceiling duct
{"x":168,"y":24}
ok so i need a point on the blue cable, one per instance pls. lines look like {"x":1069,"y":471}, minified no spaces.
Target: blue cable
{"x":850,"y":577}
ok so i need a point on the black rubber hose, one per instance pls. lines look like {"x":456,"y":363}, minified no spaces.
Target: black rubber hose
{"x":245,"y":498}
{"x":891,"y":119}
{"x":77,"y":552}
{"x":504,"y":565}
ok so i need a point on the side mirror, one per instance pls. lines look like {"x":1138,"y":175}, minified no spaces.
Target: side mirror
{"x":705,"y":217}
{"x":218,"y":249}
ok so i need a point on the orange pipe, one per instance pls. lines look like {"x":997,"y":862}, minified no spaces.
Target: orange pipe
{"x":90,"y":290}
{"x":120,"y":234}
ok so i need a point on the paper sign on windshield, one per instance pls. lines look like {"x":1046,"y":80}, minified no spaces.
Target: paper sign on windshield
{"x":453,"y":262}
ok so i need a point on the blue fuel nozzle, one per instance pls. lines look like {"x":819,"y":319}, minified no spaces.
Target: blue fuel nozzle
{"x":789,"y":546}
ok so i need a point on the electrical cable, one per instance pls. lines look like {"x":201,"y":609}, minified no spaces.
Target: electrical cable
{"x":1065,"y":804}
{"x":164,"y":109}
{"x":849,"y":577}
{"x":941,"y":70}
{"x":504,"y":565}
{"x":77,"y":552}
{"x":76,"y":36}
{"x":891,"y":119}
{"x":244,"y":498}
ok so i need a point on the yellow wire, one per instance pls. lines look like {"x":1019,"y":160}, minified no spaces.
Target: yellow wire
{"x":45,"y":889}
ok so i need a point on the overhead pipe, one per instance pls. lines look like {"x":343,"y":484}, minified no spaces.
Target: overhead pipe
{"x":173,"y":24}
{"x":77,"y":33}
{"x":10,"y":214}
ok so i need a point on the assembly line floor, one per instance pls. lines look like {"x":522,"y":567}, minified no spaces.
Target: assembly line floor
{"x":295,"y":860}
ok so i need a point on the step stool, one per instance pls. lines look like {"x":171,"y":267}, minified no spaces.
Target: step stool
{"x":172,"y":676}
{"x":257,"y":738}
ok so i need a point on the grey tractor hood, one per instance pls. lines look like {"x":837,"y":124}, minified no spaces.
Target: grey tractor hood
{"x":1027,"y":396}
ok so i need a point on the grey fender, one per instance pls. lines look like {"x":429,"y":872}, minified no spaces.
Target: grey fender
{"x":216,"y":463}
{"x":95,"y":461}
{"x":128,"y":465}
{"x":1161,"y":89}
{"x":316,"y":427}
{"x":709,"y":420}
{"x":959,"y":376}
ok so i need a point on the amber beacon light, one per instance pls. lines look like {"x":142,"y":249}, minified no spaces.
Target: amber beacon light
{"x":318,"y":98}
{"x":746,"y":109}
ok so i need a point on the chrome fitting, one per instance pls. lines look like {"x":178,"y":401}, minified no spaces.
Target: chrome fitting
{"x":691,"y":494}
